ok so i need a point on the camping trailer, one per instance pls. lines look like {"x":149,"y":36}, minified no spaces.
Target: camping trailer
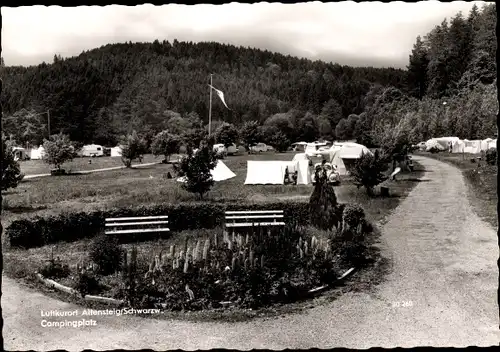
{"x":232,"y":149}
{"x":92,"y":150}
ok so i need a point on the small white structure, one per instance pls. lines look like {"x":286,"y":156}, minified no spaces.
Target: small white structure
{"x":299,"y":146}
{"x":433,"y":143}
{"x":116,"y":151}
{"x":458,"y":147}
{"x":92,"y":150}
{"x":232,"y":149}
{"x":341,"y":154}
{"x":260,"y":147}
{"x":445,"y":141}
{"x":19,"y":153}
{"x":220,"y":173}
{"x":313,"y":148}
{"x":492,"y":144}
{"x":220,"y":149}
{"x":268,"y":172}
{"x":472,"y":147}
{"x":38,"y":153}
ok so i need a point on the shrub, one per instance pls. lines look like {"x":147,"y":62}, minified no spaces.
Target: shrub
{"x":86,"y":283}
{"x":323,"y":202}
{"x":353,"y":215}
{"x":106,"y":253}
{"x":11,"y":170}
{"x":55,"y":269}
{"x":166,"y":144}
{"x":491,"y":156}
{"x":368,"y":171}
{"x":196,"y":168}
{"x":58,"y":149}
{"x":133,"y":147}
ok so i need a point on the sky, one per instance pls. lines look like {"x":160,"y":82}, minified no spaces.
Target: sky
{"x":356,"y":34}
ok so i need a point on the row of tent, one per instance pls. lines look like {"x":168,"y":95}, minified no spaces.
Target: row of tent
{"x":456,"y":145}
{"x":21,"y":153}
{"x":342,"y":155}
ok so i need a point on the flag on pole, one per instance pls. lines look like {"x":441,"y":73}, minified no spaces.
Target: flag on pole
{"x":220,"y":94}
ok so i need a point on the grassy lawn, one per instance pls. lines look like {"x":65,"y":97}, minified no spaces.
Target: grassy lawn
{"x":481,"y":182}
{"x":132,"y":187}
{"x":36,"y":167}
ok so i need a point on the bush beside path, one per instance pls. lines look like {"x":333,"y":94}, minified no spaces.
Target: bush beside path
{"x":441,"y":292}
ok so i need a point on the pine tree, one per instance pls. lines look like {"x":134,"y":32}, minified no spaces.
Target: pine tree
{"x":196,"y":169}
{"x":417,"y":69}
{"x":323,"y":202}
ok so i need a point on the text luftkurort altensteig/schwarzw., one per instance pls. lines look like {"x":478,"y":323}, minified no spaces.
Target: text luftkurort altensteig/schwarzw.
{"x":86,"y":315}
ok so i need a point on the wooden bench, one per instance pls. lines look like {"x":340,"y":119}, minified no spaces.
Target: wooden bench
{"x":132,"y":225}
{"x":258,"y":218}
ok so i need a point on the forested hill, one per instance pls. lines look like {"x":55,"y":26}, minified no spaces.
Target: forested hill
{"x":111,"y":90}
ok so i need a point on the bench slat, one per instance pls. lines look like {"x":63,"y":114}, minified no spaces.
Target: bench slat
{"x":254,"y":217}
{"x":138,"y":218}
{"x":250,"y":224}
{"x":254,"y":212}
{"x":136,"y":231}
{"x":137,"y":223}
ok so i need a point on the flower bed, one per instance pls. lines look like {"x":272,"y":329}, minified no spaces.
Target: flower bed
{"x":247,"y":270}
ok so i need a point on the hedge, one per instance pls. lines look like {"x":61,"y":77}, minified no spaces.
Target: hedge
{"x":68,"y":227}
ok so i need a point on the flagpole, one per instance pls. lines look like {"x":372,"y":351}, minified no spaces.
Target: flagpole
{"x":210,"y":110}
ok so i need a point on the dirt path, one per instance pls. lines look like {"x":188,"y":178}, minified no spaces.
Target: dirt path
{"x":444,"y":262}
{"x":92,"y":171}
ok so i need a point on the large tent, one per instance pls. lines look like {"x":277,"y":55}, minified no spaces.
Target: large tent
{"x":433,"y":143}
{"x":344,"y":154}
{"x":268,"y":172}
{"x":492,"y":144}
{"x":220,"y":173}
{"x":37,"y":153}
{"x":445,"y":141}
{"x":116,"y":151}
{"x":458,"y":147}
{"x":472,"y":147}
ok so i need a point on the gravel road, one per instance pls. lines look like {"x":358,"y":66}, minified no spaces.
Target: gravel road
{"x":444,"y":278}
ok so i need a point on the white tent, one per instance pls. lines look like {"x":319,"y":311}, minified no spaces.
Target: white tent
{"x":300,"y":156}
{"x":492,"y":144}
{"x":485,"y":143}
{"x":445,"y":141}
{"x":472,"y":147}
{"x":38,"y":153}
{"x":341,"y":152}
{"x":433,"y":143}
{"x":268,"y":172}
{"x":116,"y":151}
{"x":304,"y":172}
{"x":458,"y":147}
{"x":220,"y":173}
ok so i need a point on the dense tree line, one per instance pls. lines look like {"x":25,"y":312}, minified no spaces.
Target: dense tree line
{"x":451,"y":87}
{"x":110,"y":91}
{"x":106,"y":93}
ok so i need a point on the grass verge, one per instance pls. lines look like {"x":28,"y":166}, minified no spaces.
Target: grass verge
{"x":21,"y":264}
